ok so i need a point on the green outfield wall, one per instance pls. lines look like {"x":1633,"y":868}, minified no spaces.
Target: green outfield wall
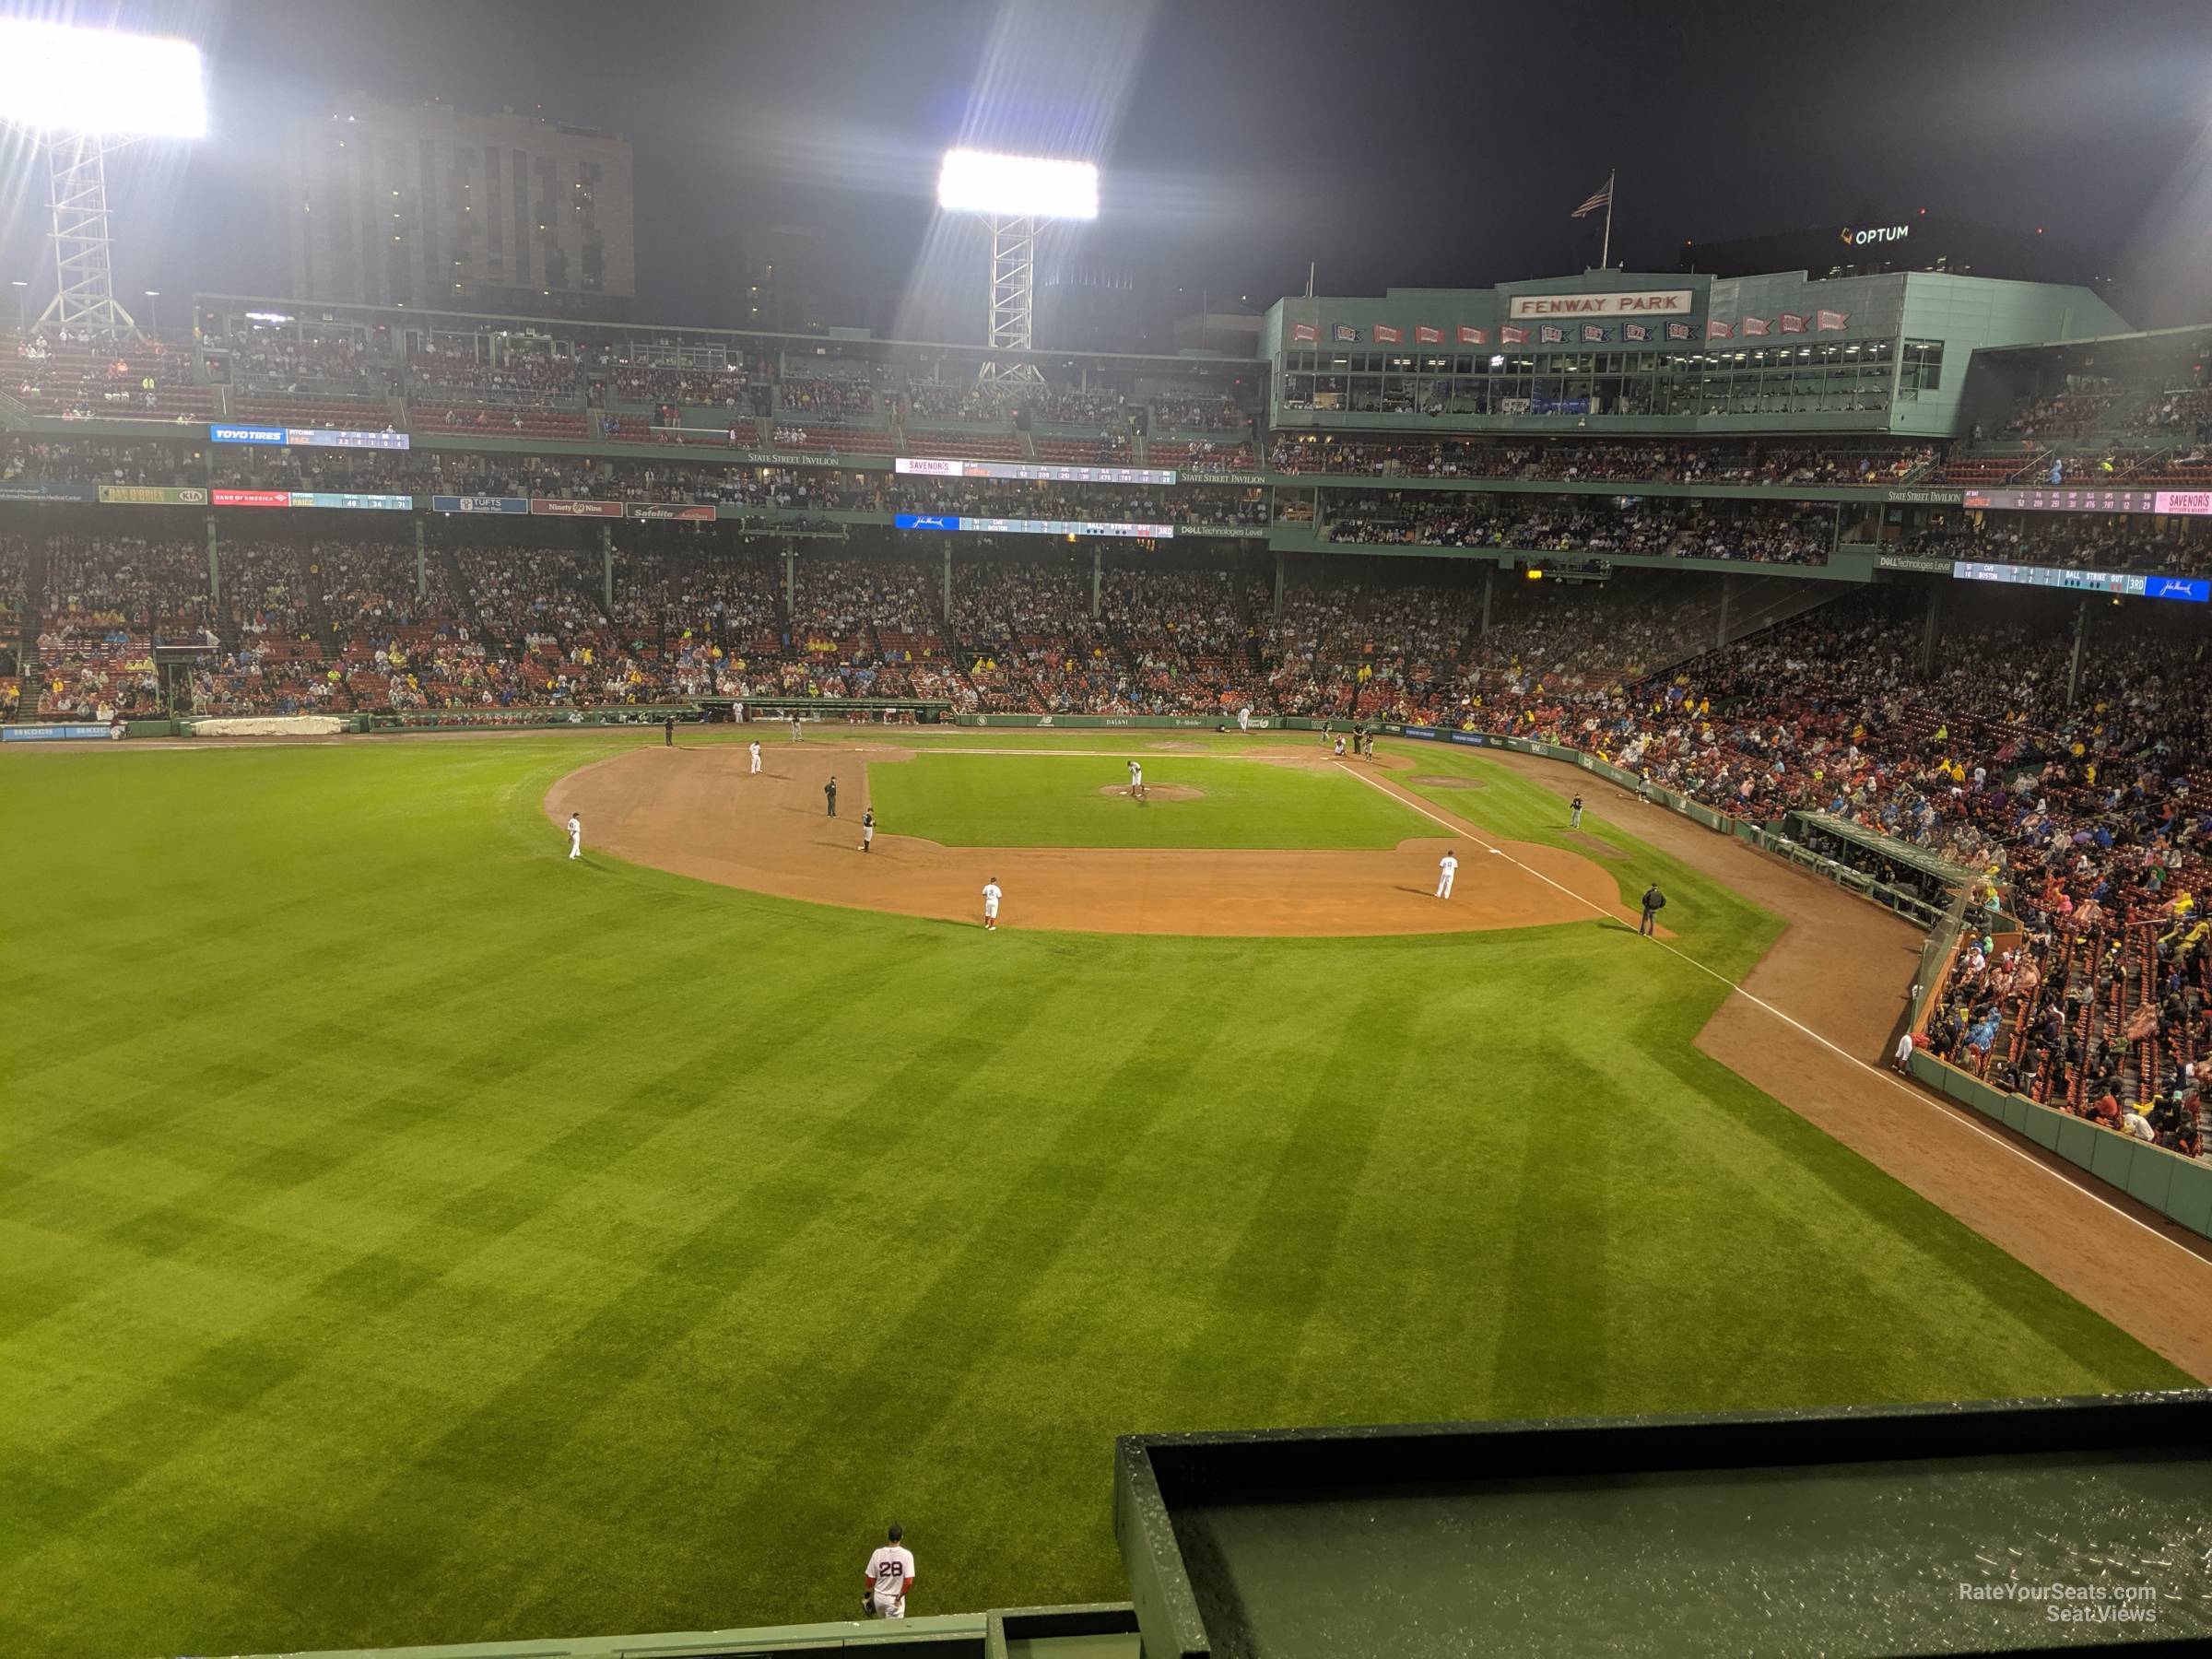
{"x":2178,"y":1188}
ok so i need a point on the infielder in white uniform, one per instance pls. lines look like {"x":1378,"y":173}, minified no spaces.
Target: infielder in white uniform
{"x":797,"y":735}
{"x":754,"y":749}
{"x":890,"y":1576}
{"x":1446,"y":867}
{"x":1243,"y":720}
{"x":990,"y":898}
{"x":575,"y":835}
{"x":1136,"y":779}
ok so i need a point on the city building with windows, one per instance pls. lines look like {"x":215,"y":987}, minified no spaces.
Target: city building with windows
{"x":425,"y":205}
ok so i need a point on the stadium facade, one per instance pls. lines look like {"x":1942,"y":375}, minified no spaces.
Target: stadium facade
{"x":1687,"y":353}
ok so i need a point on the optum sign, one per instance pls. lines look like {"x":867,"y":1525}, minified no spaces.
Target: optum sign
{"x":1886,"y":233}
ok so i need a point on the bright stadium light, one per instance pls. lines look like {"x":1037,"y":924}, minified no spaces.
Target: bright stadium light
{"x":1023,"y":186}
{"x":85,"y":93}
{"x":1011,"y":193}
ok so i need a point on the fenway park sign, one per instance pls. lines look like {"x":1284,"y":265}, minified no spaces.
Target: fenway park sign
{"x":1648,"y":302}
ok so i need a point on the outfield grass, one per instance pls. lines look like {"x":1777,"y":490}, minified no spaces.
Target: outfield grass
{"x":409,"y":1235}
{"x":970,"y":800}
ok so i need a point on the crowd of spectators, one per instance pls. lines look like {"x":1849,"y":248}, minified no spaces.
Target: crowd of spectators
{"x":2086,"y":540}
{"x":527,"y":371}
{"x":1857,"y":461}
{"x":1758,"y":533}
{"x":344,"y":365}
{"x":89,"y":380}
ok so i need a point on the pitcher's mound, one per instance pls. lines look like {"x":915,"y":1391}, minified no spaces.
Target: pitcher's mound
{"x":1441,"y":782}
{"x":1158,"y":792}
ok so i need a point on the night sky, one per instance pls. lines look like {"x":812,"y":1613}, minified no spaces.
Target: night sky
{"x":1408,"y":144}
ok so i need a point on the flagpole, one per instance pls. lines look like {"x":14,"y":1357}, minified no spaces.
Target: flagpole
{"x":1605,"y":258}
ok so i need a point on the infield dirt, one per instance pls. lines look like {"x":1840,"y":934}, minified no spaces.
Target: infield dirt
{"x":698,"y":811}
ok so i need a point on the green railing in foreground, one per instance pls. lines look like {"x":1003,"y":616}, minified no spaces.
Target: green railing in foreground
{"x":1094,"y":1630}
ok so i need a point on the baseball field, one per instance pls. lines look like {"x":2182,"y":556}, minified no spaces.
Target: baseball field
{"x":410,"y":1234}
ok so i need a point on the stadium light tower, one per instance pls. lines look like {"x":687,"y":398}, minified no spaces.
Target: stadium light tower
{"x":85,"y":93}
{"x":1012,"y":194}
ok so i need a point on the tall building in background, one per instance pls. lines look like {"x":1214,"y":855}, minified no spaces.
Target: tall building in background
{"x":794,"y":279}
{"x":427,"y":205}
{"x":1088,"y":301}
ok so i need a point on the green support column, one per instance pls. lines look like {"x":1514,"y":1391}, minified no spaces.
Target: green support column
{"x":607,"y":556}
{"x":947,"y":610}
{"x":1097,"y":562}
{"x":422,"y":572}
{"x":1279,"y":585}
{"x":1932,"y":629}
{"x":2081,"y":633}
{"x":1727,"y":593}
{"x":791,"y":603}
{"x":1489,"y":574}
{"x":215,"y":564}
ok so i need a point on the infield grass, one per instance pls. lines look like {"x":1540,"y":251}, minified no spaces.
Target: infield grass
{"x":970,"y":800}
{"x":407,"y":1235}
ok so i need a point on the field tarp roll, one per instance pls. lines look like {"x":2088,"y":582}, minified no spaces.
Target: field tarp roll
{"x":269,"y":725}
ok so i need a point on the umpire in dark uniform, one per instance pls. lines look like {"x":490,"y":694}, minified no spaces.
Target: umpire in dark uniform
{"x":1653,"y":902}
{"x":830,"y":795}
{"x":669,"y":729}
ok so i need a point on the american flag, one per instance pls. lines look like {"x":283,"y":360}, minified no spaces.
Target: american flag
{"x":1601,"y":197}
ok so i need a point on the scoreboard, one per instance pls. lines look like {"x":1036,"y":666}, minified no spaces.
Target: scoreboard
{"x":1032,"y":469}
{"x":2193,"y":590}
{"x":2059,"y":498}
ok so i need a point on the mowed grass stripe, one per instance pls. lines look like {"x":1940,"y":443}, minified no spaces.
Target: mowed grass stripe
{"x":963,"y":800}
{"x":581,"y":1290}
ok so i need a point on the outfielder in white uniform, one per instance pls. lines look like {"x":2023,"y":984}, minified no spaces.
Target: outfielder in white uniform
{"x":1243,"y":720}
{"x":1136,"y":779}
{"x":890,"y":1576}
{"x":990,"y":896}
{"x":754,"y":749}
{"x":1446,"y":867}
{"x":575,"y":835}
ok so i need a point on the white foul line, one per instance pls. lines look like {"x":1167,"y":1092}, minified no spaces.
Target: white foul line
{"x":1912,"y":1094}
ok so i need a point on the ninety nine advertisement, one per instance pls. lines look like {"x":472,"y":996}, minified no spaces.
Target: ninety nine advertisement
{"x":562,"y":507}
